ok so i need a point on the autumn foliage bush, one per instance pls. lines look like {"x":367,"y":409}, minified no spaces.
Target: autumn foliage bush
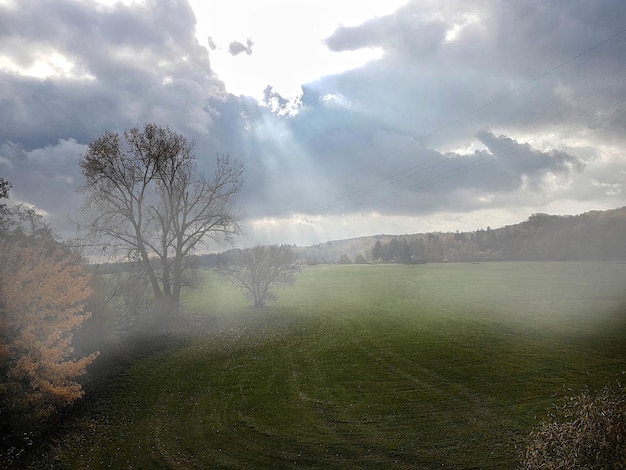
{"x":43,"y":289}
{"x":586,"y":431}
{"x":43,"y":293}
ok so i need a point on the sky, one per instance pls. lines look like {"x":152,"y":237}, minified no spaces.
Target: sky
{"x":351,"y":118}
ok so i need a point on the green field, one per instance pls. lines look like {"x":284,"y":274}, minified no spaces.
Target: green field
{"x":375,"y":366}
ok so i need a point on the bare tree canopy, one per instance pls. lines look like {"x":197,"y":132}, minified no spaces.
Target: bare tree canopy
{"x":146,"y":199}
{"x":258,"y":270}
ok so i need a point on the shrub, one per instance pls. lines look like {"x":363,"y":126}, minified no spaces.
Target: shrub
{"x":587,"y":431}
{"x":43,"y":289}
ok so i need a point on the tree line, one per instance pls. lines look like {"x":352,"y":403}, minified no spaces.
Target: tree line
{"x":592,"y":236}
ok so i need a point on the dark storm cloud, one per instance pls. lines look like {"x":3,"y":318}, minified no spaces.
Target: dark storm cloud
{"x":130,"y":64}
{"x":135,"y":59}
{"x":332,"y":159}
{"x":523,"y":159}
{"x":45,"y":177}
{"x":344,"y":166}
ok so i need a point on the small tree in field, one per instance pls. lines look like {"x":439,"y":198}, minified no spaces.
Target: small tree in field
{"x":258,"y":270}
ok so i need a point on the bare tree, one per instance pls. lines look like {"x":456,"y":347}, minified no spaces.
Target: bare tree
{"x":147,"y":201}
{"x":258,"y":270}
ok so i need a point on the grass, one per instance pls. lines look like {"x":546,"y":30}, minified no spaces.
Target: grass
{"x":428,"y":366}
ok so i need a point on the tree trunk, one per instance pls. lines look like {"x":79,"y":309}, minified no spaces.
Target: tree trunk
{"x":177,"y":283}
{"x":167,"y":285}
{"x":154,"y":283}
{"x":169,"y":307}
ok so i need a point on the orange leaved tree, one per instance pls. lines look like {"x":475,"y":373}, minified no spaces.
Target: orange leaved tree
{"x":43,"y":289}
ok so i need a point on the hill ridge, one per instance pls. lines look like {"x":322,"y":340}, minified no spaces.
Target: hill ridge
{"x":591,"y":235}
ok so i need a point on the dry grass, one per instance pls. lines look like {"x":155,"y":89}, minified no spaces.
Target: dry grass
{"x":586,"y":431}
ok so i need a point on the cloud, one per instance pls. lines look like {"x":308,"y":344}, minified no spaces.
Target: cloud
{"x":424,"y":81}
{"x":279,"y":105}
{"x":45,"y":178}
{"x":409,"y":30}
{"x":128,"y":65}
{"x":236,"y":48}
{"x":472,"y":107}
{"x":144,"y":59}
{"x":331,"y":160}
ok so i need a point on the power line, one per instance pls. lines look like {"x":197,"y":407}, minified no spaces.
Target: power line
{"x":482,"y":161}
{"x":567,"y":97}
{"x":437,"y":160}
{"x":420,"y":167}
{"x":525,"y":84}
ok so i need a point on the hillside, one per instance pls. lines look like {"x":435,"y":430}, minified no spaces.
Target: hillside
{"x":594,"y":235}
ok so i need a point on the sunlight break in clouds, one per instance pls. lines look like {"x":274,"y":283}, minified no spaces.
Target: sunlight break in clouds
{"x":287,"y":35}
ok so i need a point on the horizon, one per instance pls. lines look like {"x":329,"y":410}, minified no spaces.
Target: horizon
{"x":224,"y":249}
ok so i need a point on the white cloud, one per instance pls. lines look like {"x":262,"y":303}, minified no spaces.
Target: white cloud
{"x":46,"y":63}
{"x":455,"y":30}
{"x":610,"y":189}
{"x":9,"y":4}
{"x":333,"y":99}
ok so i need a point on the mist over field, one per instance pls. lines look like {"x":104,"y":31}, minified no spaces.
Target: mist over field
{"x":358,"y":365}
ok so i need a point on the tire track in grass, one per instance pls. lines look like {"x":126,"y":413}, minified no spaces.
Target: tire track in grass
{"x":474,"y":414}
{"x":429,"y":394}
{"x":339,"y":423}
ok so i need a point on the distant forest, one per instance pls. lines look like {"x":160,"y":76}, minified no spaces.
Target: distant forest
{"x":592,"y":236}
